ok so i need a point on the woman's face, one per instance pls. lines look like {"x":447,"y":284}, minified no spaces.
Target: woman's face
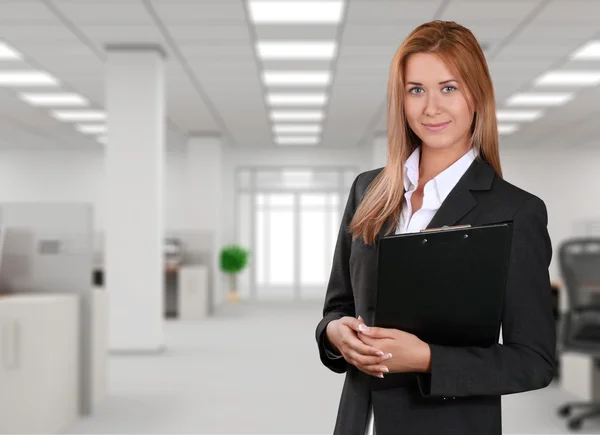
{"x":436,"y":103}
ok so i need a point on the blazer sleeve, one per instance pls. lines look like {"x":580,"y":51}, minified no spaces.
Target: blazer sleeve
{"x":339,"y":298}
{"x":526,"y":359}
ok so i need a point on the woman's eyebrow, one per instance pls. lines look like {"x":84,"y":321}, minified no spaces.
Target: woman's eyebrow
{"x":421,"y":84}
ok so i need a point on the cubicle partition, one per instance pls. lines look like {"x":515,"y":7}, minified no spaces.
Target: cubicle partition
{"x":48,"y":249}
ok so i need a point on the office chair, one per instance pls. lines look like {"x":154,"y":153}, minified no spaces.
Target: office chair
{"x":580,"y":327}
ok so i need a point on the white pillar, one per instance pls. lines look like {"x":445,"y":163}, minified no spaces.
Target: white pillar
{"x":134,"y":162}
{"x":380,"y":151}
{"x":205,"y":203}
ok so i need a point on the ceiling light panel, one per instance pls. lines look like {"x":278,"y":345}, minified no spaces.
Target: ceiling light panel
{"x":281,"y":99}
{"x":27,"y":78}
{"x":297,"y":115}
{"x":91,"y":128}
{"x":313,"y":50}
{"x":507,"y":128}
{"x":518,"y":115}
{"x":296,"y":128}
{"x":296,"y":12}
{"x":590,"y":51}
{"x":540,"y":99}
{"x":53,"y":99}
{"x":9,"y":53}
{"x":79,"y":115}
{"x":297,"y":140}
{"x":569,"y":78}
{"x":296,"y":78}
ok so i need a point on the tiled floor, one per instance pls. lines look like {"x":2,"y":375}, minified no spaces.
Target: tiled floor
{"x":254,"y":369}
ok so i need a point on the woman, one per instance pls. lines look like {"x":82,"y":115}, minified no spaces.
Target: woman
{"x":443,"y":169}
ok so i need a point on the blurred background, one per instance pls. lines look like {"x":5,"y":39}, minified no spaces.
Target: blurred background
{"x":172,"y":178}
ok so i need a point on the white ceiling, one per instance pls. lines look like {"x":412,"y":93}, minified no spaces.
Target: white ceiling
{"x":214,"y":82}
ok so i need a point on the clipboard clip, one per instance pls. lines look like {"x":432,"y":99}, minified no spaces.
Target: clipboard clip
{"x":445,"y":227}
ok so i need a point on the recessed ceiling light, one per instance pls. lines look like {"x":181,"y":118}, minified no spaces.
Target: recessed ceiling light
{"x":573,"y":78}
{"x":9,"y":53}
{"x":91,"y":128}
{"x":298,"y":115}
{"x":296,"y":50}
{"x":26,"y":78}
{"x":589,"y":51}
{"x":296,"y":78}
{"x":79,"y":115}
{"x":507,"y":128}
{"x":518,"y":115}
{"x":540,"y":99}
{"x":296,"y":128}
{"x":297,"y":140}
{"x":306,"y":12}
{"x":296,"y":99}
{"x":54,"y":99}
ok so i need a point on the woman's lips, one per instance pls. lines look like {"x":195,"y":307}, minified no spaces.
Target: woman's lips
{"x":436,"y":127}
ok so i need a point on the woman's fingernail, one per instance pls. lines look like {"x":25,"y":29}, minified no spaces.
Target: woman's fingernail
{"x":380,"y":353}
{"x":385,"y":369}
{"x":381,"y":375}
{"x":362,"y":327}
{"x":388,"y":356}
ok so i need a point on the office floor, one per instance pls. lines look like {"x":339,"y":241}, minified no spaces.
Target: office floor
{"x":252,"y":369}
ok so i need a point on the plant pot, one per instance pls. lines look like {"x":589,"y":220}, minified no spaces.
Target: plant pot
{"x":233,"y":297}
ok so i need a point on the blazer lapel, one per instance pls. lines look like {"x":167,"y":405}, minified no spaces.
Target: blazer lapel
{"x":461,"y":201}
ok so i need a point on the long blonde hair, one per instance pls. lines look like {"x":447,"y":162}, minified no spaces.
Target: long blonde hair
{"x":459,"y":50}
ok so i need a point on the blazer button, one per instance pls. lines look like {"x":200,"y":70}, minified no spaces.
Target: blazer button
{"x":444,"y":398}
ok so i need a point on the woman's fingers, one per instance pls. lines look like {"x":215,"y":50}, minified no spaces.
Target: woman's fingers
{"x":365,"y":360}
{"x":351,"y":341}
{"x":374,"y":370}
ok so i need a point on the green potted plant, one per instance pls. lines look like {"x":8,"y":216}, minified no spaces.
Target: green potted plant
{"x":233,"y":260}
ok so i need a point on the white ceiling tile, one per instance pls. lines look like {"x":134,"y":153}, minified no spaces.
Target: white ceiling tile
{"x":38,"y":32}
{"x":25,"y":11}
{"x":518,"y":53}
{"x":571,"y":11}
{"x":126,"y":33}
{"x":210,"y":34}
{"x":378,"y":11}
{"x":383,"y":34}
{"x":556,"y":33}
{"x":213,"y":51}
{"x":105,"y":12}
{"x":465,"y":12}
{"x":201,"y":12}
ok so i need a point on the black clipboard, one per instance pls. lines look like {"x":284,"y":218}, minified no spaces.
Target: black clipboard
{"x":446,"y":285}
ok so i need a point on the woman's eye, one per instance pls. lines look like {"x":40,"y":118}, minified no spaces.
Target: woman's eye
{"x":452,"y":88}
{"x":416,"y":90}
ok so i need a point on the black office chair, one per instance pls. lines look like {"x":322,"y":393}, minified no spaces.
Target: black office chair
{"x":580,"y":326}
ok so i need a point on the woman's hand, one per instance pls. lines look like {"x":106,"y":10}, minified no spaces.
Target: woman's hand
{"x":409,"y":353}
{"x":342,"y":334}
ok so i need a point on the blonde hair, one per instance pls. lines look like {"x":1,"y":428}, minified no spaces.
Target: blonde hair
{"x":459,"y":50}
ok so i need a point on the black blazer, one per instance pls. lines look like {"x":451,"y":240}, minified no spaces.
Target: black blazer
{"x":462,"y":393}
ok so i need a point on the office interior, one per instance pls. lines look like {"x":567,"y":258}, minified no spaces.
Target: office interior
{"x":140,"y":138}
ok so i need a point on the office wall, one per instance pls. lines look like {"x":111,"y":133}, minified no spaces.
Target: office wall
{"x":72,"y":176}
{"x":566,"y":179}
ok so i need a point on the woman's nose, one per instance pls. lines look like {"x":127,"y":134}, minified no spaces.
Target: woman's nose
{"x":432,"y":106}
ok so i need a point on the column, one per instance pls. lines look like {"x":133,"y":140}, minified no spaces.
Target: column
{"x":134,"y":164}
{"x":380,"y":151}
{"x":205,"y":204}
